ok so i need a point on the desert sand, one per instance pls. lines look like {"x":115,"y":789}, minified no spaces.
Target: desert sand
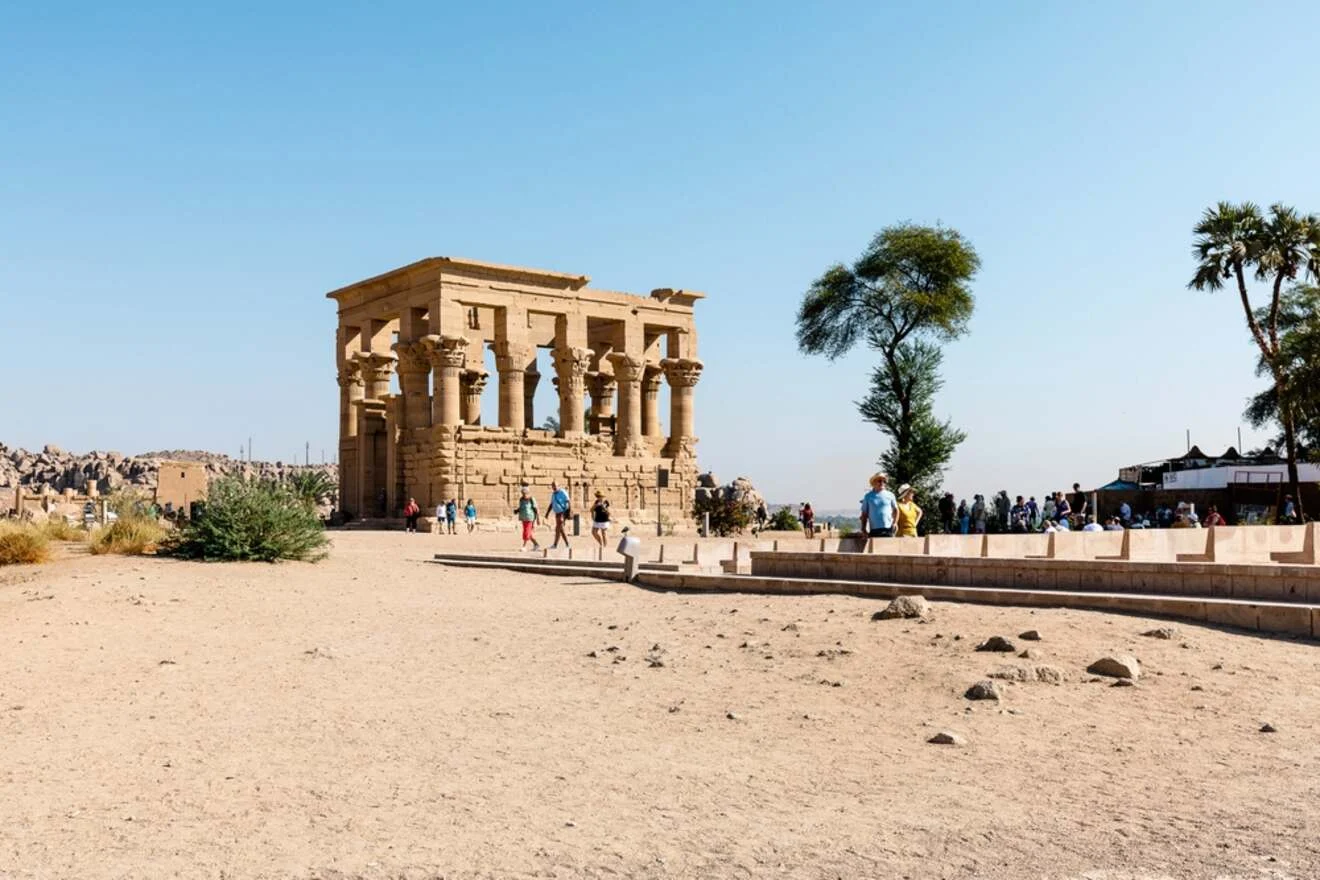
{"x":375,"y":715}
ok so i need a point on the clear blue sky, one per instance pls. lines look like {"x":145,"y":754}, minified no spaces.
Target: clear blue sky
{"x":179,"y":187}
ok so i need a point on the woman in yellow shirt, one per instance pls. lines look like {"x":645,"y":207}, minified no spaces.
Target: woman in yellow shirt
{"x":909,"y":514}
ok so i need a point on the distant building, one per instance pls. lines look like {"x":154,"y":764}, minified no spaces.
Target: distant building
{"x":179,"y":483}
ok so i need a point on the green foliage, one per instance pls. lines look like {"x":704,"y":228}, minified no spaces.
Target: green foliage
{"x":1299,"y":365}
{"x":783,"y":520}
{"x":128,"y":536}
{"x":253,"y":520}
{"x":312,"y":485}
{"x":727,"y":516}
{"x":22,"y":544}
{"x":908,"y":291}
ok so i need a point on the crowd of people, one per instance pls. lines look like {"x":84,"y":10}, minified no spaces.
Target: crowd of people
{"x":527,"y":512}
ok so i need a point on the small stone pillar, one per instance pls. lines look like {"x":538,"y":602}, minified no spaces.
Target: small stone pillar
{"x":682,"y":374}
{"x":602,"y":387}
{"x":414,"y":369}
{"x":474,"y":383}
{"x":350,"y":390}
{"x":511,"y":363}
{"x":651,"y":401}
{"x":571,"y":366}
{"x":448,"y":357}
{"x":628,"y":373}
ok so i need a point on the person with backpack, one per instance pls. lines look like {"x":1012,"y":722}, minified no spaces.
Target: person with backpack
{"x":559,"y":506}
{"x":410,"y":514}
{"x":600,"y":519}
{"x":529,"y":516}
{"x":451,"y":515}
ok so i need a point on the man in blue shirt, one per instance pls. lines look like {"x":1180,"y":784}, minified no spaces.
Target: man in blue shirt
{"x":559,"y":506}
{"x":879,"y":507}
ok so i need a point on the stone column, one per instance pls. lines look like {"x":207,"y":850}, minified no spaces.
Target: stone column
{"x":602,"y":387}
{"x":448,"y":355}
{"x":571,"y":365}
{"x":350,"y":390}
{"x":414,"y":369}
{"x":474,"y":383}
{"x":651,"y":400}
{"x":530,"y":381}
{"x":682,"y":374}
{"x":376,"y":369}
{"x":628,"y":373}
{"x":511,"y":363}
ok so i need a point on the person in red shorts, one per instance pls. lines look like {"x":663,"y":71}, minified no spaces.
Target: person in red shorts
{"x":529,"y":516}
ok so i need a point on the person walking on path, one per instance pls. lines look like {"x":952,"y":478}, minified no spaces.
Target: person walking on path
{"x":451,"y":515}
{"x":808,"y":517}
{"x":878,"y":509}
{"x":600,"y":519}
{"x":909,"y":514}
{"x":410,"y":513}
{"x":559,"y":506}
{"x":470,"y":512}
{"x":978,"y":514}
{"x":529,"y":516}
{"x":440,"y":518}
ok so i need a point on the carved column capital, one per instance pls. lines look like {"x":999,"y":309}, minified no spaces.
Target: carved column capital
{"x":626,"y":367}
{"x":474,"y":381}
{"x":601,"y":384}
{"x":447,"y":351}
{"x":511,"y":356}
{"x":651,"y":378}
{"x":414,"y":357}
{"x":682,"y":372}
{"x":350,"y":373}
{"x":375,"y":366}
{"x":572,"y":363}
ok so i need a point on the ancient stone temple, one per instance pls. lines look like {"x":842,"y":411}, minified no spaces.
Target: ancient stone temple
{"x":411,"y":349}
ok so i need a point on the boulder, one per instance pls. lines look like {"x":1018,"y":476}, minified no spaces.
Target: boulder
{"x":984,"y":690}
{"x":997,"y":643}
{"x":1163,"y":632}
{"x":1116,"y":666}
{"x":1030,"y":635}
{"x":947,"y":738}
{"x":905,"y":607}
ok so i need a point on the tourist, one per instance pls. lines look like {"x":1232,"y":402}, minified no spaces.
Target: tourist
{"x":1079,"y":502}
{"x":1050,"y":528}
{"x":600,"y":519}
{"x":1113,"y":525}
{"x":1017,"y":516}
{"x":470,"y":512}
{"x":1164,"y":516}
{"x":909,"y":514}
{"x":1214,"y":518}
{"x":978,"y":514}
{"x":451,"y":515}
{"x":808,"y":519}
{"x":1125,"y":513}
{"x":964,"y":518}
{"x":1289,"y":511}
{"x":878,"y":509}
{"x":1033,"y":513}
{"x":1050,"y":511}
{"x":1063,"y":525}
{"x":762,"y":515}
{"x":1092,"y":525}
{"x":946,"y":512}
{"x":529,"y":516}
{"x":559,"y":506}
{"x":410,"y":513}
{"x":1062,"y":509}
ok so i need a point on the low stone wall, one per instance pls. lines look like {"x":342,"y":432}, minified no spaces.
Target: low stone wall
{"x":1268,"y":582}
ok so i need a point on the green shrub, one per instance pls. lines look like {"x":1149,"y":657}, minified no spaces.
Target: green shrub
{"x":253,"y":520}
{"x":128,"y":536}
{"x":312,"y":485}
{"x":727,"y":517}
{"x":784,"y":521}
{"x":23,"y":543}
{"x":128,"y":501}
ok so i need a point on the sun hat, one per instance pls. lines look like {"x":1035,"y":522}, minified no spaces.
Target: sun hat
{"x":877,"y":477}
{"x":904,"y":489}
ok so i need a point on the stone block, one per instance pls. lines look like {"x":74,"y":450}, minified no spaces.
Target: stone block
{"x":1238,"y":544}
{"x":1241,"y":615}
{"x":1285,"y":620}
{"x":959,"y":546}
{"x":1016,"y":546}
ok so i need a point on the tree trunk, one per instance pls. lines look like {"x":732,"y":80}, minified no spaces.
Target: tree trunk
{"x":1290,"y":450}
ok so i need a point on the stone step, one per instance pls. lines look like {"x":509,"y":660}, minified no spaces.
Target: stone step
{"x":534,"y":559}
{"x":531,"y":566}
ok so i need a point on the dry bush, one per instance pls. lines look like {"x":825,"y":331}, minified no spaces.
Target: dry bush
{"x":22,"y":543}
{"x":135,"y":536}
{"x":57,"y":528}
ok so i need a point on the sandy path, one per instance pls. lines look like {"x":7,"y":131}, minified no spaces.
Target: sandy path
{"x":374,"y":715}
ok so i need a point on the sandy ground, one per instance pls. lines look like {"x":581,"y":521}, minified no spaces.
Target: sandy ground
{"x":375,"y":715}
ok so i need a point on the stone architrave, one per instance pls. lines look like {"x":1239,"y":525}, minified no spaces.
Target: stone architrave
{"x":571,"y":365}
{"x":376,"y":369}
{"x":414,"y":373}
{"x":602,"y":387}
{"x":628,"y":433}
{"x":651,"y":379}
{"x":448,"y":355}
{"x":683,"y":374}
{"x":474,"y":383}
{"x":511,"y":359}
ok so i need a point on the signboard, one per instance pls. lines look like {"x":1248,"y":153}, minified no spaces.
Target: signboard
{"x":662,"y":478}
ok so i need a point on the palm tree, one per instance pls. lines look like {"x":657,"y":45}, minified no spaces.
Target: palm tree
{"x":1278,"y":247}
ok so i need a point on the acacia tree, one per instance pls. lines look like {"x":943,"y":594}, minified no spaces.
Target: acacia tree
{"x":908,"y":291}
{"x":1234,"y":241}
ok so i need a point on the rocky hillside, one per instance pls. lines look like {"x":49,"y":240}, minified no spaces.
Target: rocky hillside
{"x":54,"y":469}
